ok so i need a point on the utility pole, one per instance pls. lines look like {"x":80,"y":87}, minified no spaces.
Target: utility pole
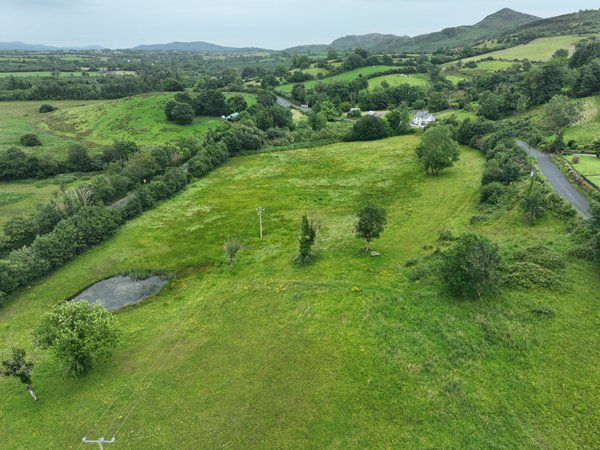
{"x":260,"y":211}
{"x":98,"y":441}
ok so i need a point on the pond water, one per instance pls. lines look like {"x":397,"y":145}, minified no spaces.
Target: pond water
{"x":119,"y":291}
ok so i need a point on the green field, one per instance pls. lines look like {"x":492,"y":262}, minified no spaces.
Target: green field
{"x":140,"y":118}
{"x":398,"y":79}
{"x":540,"y":49}
{"x":19,"y":118}
{"x":22,"y":197}
{"x":345,"y":76}
{"x":587,"y":165}
{"x":346,"y":353}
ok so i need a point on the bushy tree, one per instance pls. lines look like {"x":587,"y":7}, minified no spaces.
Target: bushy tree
{"x":80,"y":335}
{"x":236,"y":103}
{"x":371,"y":223}
{"x":30,"y":140}
{"x":535,"y":202}
{"x":560,"y":113}
{"x":399,"y":120}
{"x":18,"y":366}
{"x":437,"y":150}
{"x":472,"y":265}
{"x":182,"y":114}
{"x":369,"y":128}
{"x":173,"y":85}
{"x":78,"y":158}
{"x":317,"y":121}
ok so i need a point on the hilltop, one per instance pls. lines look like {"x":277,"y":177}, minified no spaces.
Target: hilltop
{"x":492,"y":25}
{"x":198,"y":46}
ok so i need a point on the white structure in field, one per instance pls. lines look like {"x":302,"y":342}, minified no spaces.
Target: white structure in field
{"x":422,"y":119}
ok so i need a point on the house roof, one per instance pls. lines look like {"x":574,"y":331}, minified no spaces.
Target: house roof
{"x":424,"y":115}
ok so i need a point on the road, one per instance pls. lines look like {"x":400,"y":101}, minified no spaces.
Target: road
{"x":284,"y":102}
{"x":558,"y":181}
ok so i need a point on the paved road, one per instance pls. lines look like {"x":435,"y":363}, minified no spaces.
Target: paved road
{"x":558,"y":181}
{"x":284,"y":102}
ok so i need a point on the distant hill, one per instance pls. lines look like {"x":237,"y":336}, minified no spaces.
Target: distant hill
{"x":198,"y":46}
{"x":581,"y":22}
{"x":495,"y":24}
{"x":22,"y":46}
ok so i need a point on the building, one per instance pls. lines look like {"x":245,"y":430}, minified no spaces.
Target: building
{"x":230,"y":117}
{"x":422,"y":119}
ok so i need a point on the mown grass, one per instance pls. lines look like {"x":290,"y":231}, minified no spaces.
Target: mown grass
{"x":346,"y":353}
{"x":540,"y":49}
{"x":140,"y":118}
{"x":587,"y":165}
{"x":398,"y":79}
{"x":345,"y":76}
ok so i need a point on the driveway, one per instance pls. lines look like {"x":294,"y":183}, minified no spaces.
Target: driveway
{"x":558,"y":181}
{"x":284,"y":102}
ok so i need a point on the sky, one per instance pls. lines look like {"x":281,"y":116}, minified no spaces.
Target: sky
{"x":272,"y":24}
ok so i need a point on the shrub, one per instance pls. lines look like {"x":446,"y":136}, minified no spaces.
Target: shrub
{"x":575,"y":160}
{"x":30,"y":140}
{"x":534,"y":202}
{"x":46,"y":108}
{"x":371,"y":223}
{"x":181,"y":113}
{"x":526,"y":275}
{"x":308,"y":234}
{"x":231,"y":248}
{"x":78,"y":158}
{"x":492,"y":193}
{"x":471,"y":266}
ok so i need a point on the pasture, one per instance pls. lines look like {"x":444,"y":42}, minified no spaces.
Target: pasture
{"x":345,"y":353}
{"x":398,"y":79}
{"x":540,"y":49}
{"x":587,"y":165}
{"x":344,"y":76}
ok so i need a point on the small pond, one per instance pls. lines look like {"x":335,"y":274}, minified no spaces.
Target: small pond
{"x":119,"y":291}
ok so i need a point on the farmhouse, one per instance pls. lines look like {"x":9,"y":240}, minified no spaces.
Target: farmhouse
{"x":422,"y":119}
{"x":230,"y":117}
{"x":379,"y":114}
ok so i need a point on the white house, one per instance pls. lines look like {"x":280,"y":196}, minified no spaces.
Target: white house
{"x":422,"y":119}
{"x":230,"y":117}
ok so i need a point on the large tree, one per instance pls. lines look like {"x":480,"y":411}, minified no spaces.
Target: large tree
{"x":371,"y":223}
{"x":80,"y":334}
{"x":560,"y":113}
{"x":437,"y":150}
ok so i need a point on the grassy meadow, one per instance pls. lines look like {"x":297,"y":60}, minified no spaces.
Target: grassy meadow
{"x":345,"y":353}
{"x":345,"y":76}
{"x":19,"y":118}
{"x":540,"y":49}
{"x":140,"y":118}
{"x":398,"y":79}
{"x":587,"y":165}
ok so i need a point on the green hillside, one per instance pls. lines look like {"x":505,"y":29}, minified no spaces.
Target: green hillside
{"x":345,"y":353}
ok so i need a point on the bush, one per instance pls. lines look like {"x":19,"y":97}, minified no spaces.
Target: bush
{"x":181,"y":113}
{"x":30,"y":140}
{"x":534,"y":202}
{"x":492,"y":193}
{"x":369,"y":128}
{"x":46,"y":108}
{"x":526,"y":275}
{"x":471,"y":266}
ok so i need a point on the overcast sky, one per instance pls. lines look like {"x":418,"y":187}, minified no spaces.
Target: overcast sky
{"x":274,"y":24}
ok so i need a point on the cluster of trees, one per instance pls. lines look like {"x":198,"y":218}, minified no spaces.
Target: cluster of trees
{"x":16,"y":164}
{"x":75,"y":220}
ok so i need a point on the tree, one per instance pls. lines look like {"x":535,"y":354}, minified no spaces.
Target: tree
{"x":560,"y":113}
{"x":266,"y":98}
{"x":490,"y":105}
{"x":437,"y":150}
{"x":173,"y":85}
{"x":472,"y":265}
{"x":398,"y":120}
{"x":20,"y":367}
{"x":236,"y":103}
{"x":182,"y":114}
{"x":81,"y":335}
{"x":371,"y":223}
{"x":369,"y":128}
{"x":328,"y":109}
{"x":30,"y":140}
{"x":308,"y":234}
{"x":231,"y":248}
{"x":78,"y":158}
{"x":317,"y":121}
{"x":534,"y":202}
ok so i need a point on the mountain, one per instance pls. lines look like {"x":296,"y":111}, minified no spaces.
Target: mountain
{"x":198,"y":46}
{"x":495,"y":24}
{"x":22,"y":46}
